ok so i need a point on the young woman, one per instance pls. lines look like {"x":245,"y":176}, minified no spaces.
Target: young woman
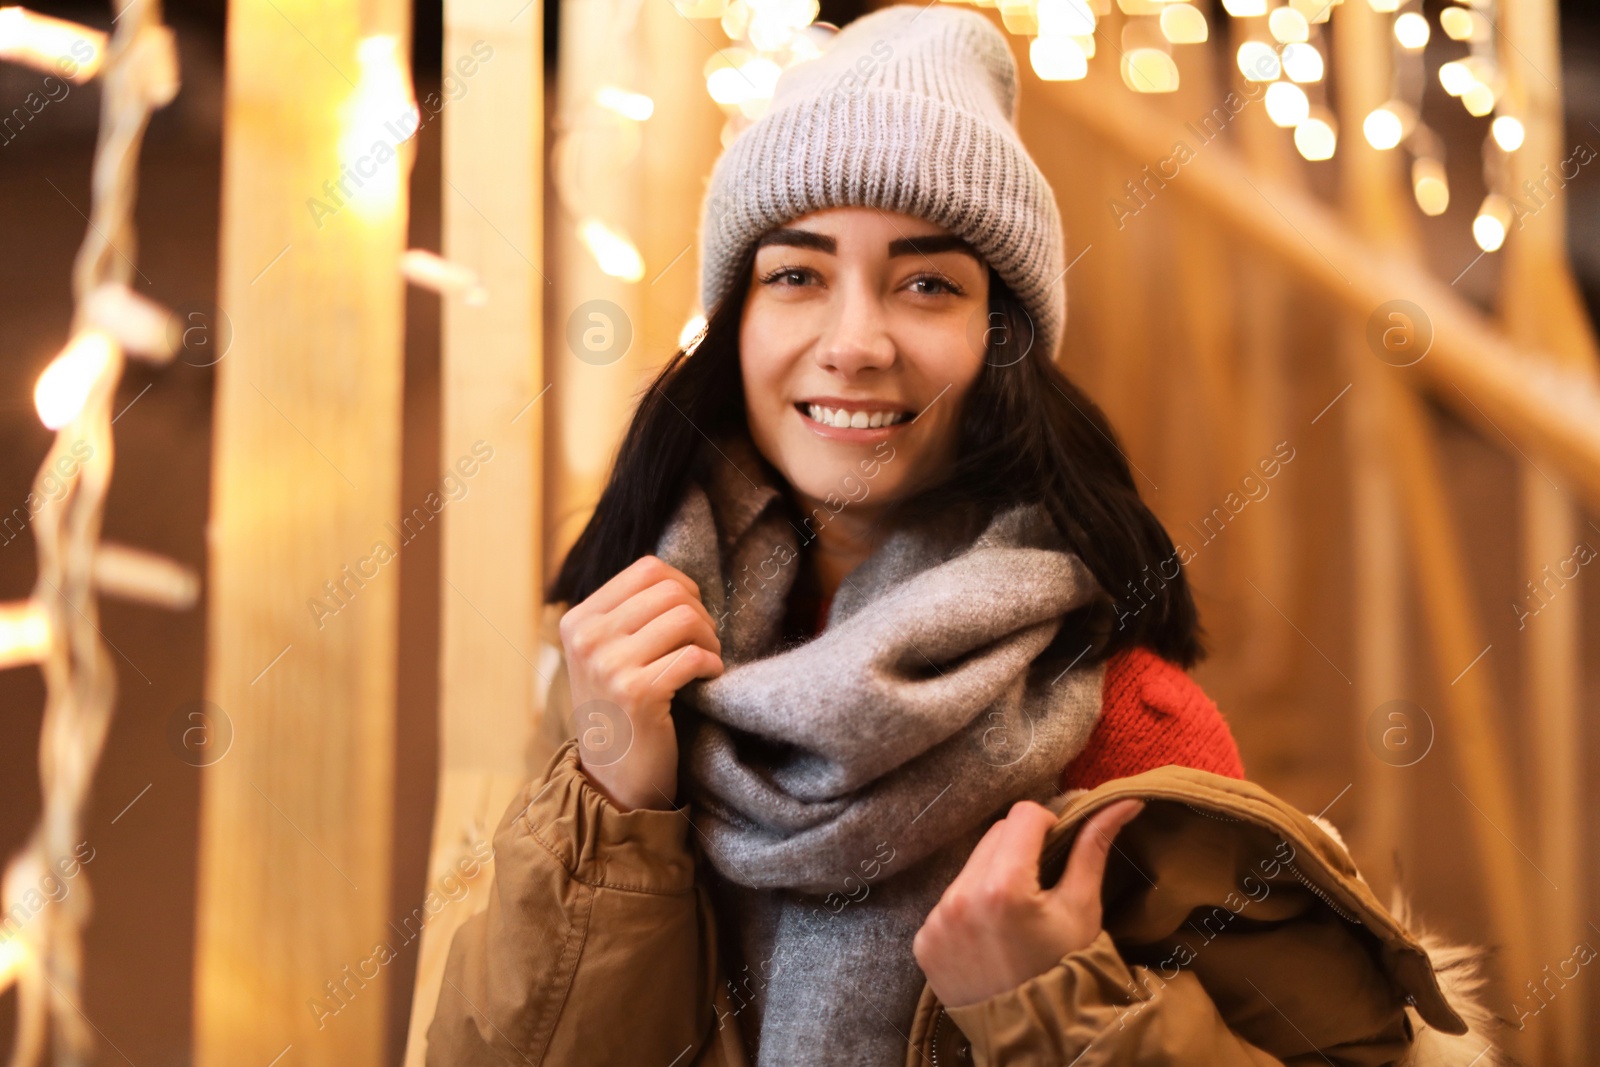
{"x":870,"y":581}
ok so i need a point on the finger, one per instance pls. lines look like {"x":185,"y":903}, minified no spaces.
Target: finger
{"x":641,"y":573}
{"x":1086,"y":866}
{"x":672,"y":672}
{"x":1013,"y":858}
{"x":647,"y":604}
{"x":671,"y":630}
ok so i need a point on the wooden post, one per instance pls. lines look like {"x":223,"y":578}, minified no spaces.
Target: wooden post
{"x":1380,"y":211}
{"x":295,"y":835}
{"x":1540,"y":305}
{"x":494,"y":403}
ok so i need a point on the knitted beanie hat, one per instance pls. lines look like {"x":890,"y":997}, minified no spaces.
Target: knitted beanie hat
{"x":908,"y":109}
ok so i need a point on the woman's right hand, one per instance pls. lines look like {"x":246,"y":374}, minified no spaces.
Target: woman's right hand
{"x":630,"y":646}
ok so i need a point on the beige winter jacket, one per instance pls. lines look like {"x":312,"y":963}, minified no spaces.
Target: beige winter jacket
{"x":1237,"y":931}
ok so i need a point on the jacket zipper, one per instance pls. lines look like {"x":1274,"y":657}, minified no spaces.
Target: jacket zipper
{"x":1326,"y":899}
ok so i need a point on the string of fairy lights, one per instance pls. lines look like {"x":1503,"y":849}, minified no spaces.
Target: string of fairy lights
{"x":1283,"y":46}
{"x":57,"y":627}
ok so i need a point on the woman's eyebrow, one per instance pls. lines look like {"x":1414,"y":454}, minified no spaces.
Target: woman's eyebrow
{"x":798,"y":238}
{"x":930,"y":244}
{"x":927,"y":245}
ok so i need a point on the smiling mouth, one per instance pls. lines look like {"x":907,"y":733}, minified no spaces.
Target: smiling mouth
{"x":848,"y":418}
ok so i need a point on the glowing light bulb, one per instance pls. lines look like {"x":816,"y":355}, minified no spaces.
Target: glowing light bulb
{"x":1057,"y":58}
{"x":1411,"y":30}
{"x":1183,"y":24}
{"x":1383,"y":128}
{"x":1302,"y":63}
{"x":1258,"y":62}
{"x":1429,"y":185}
{"x":635,"y":106}
{"x":1456,"y":77}
{"x":1508,"y":132}
{"x":1149,"y":70}
{"x":1494,"y":219}
{"x":1384,"y":6}
{"x":689,"y":336}
{"x":65,"y":385}
{"x":379,"y":117}
{"x":1315,"y":138}
{"x":1478,"y":99}
{"x":1288,"y":26}
{"x":615,"y":254}
{"x":1245,"y":9}
{"x":53,"y":45}
{"x":1287,"y":105}
{"x":1460,"y":24}
{"x":1065,"y":18}
{"x":14,"y":956}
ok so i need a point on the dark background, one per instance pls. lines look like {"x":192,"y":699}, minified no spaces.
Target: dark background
{"x":140,"y":943}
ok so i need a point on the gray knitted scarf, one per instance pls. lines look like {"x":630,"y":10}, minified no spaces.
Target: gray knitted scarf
{"x":838,"y":785}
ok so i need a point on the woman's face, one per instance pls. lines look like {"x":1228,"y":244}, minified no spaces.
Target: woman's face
{"x":863,"y":332}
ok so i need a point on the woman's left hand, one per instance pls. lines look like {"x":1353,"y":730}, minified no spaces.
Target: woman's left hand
{"x":994,"y":928}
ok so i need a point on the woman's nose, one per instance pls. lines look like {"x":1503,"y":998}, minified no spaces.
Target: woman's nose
{"x":857,"y":337}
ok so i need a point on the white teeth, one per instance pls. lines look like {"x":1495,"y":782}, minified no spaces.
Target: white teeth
{"x":853,"y":419}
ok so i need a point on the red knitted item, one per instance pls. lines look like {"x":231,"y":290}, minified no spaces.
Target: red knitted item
{"x":1152,"y":714}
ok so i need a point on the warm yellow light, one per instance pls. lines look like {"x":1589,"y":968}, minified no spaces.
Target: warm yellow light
{"x":14,"y":957}
{"x":1315,"y":11}
{"x":379,"y":117}
{"x":1140,"y":7}
{"x":1287,"y":105}
{"x":1288,"y":26}
{"x":1383,"y":128}
{"x":1245,"y":9}
{"x":24,"y":639}
{"x":1087,"y":44}
{"x":1019,"y":17}
{"x":1183,"y":24}
{"x":1411,"y":30}
{"x":1508,"y":132}
{"x":1494,"y":219}
{"x":53,"y":45}
{"x":1258,"y":62}
{"x":65,"y":385}
{"x":635,"y":106}
{"x":690,"y":334}
{"x":1149,"y":70}
{"x":1057,"y":58}
{"x":1384,"y":6}
{"x":1478,"y":99}
{"x":1302,"y":63}
{"x":1430,"y":186}
{"x":615,"y":254}
{"x":1460,"y":24}
{"x":1456,"y":77}
{"x":1065,"y":18}
{"x":1315,"y":138}
{"x":701,"y":9}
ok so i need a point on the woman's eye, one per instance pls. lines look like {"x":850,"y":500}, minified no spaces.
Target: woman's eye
{"x":938,"y":284}
{"x":787,"y":277}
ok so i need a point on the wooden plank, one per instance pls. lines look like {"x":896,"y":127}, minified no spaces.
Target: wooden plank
{"x":295,"y":836}
{"x":1540,"y":305}
{"x":491,"y":434}
{"x":1472,"y":367}
{"x":1381,"y":213}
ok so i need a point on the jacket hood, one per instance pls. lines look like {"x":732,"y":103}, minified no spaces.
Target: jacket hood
{"x":1265,"y":905}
